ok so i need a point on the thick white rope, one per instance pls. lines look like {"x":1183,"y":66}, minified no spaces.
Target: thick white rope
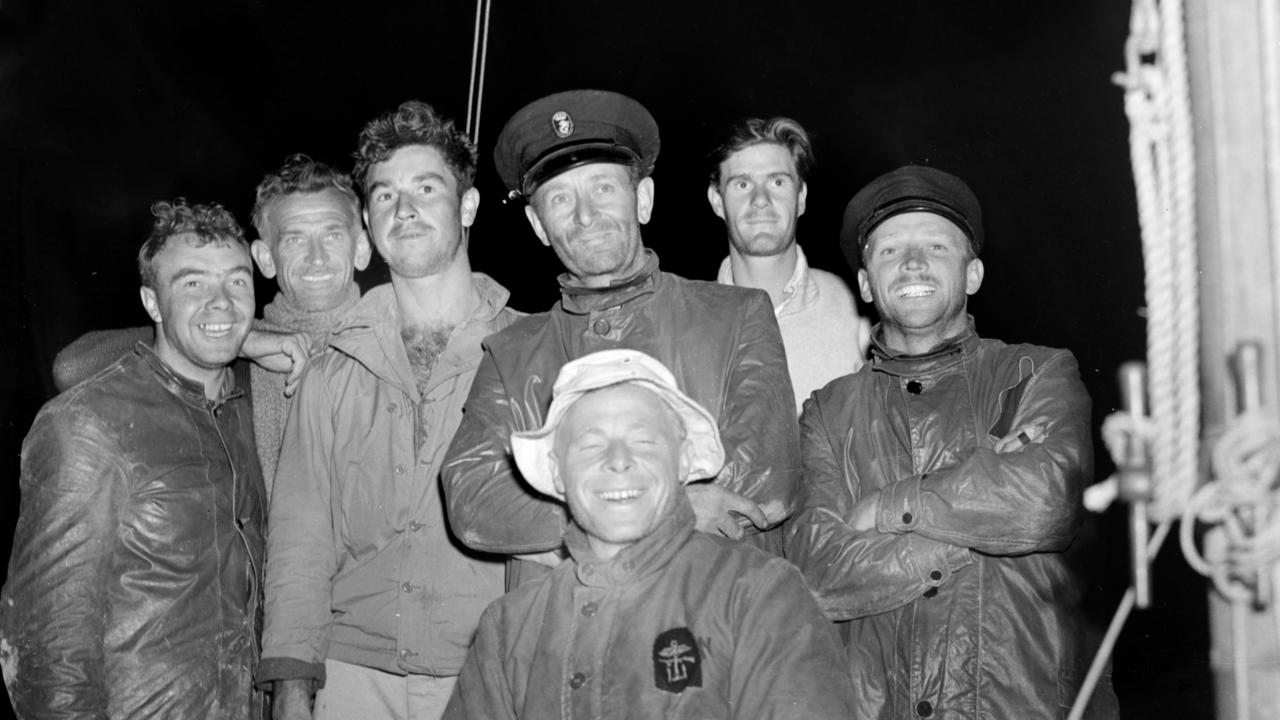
{"x":1157,"y":103}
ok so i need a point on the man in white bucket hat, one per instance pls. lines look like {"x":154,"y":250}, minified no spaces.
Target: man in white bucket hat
{"x":649,"y":619}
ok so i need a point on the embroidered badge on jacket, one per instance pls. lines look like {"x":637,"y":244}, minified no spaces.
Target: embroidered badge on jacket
{"x":677,"y":661}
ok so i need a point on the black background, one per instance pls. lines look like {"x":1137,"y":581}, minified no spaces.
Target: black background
{"x":107,"y":106}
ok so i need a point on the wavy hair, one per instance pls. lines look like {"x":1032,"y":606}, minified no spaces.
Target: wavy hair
{"x":209,"y":223}
{"x":299,"y":175}
{"x":415,"y":123}
{"x":754,"y":131}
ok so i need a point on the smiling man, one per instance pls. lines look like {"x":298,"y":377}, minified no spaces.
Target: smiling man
{"x":582,"y":159}
{"x":943,"y":555}
{"x":368,"y":598}
{"x":134,"y":583}
{"x":648,"y":619}
{"x":310,"y":240}
{"x":759,"y":187}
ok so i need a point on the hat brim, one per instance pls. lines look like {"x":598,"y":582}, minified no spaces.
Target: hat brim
{"x":567,"y":157}
{"x":532,"y":450}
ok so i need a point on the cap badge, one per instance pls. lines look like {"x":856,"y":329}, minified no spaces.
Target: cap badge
{"x":562,"y":124}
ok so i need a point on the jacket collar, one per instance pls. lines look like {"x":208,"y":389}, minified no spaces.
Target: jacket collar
{"x":947,"y":353}
{"x":800,"y":292}
{"x":371,"y":333}
{"x":580,"y":300}
{"x":648,"y":555}
{"x":187,"y":390}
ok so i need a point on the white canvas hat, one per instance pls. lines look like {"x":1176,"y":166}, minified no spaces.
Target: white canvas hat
{"x":532,"y":449}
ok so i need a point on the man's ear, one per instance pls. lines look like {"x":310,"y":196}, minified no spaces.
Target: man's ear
{"x":864,"y":286}
{"x":261,"y":252}
{"x":363,"y":250}
{"x":553,"y":465}
{"x":151,"y":303}
{"x":716,"y":200}
{"x":973,"y":274}
{"x":536,"y":224}
{"x":685,"y":459}
{"x":468,"y":206}
{"x":804,"y":195}
{"x":644,"y":200}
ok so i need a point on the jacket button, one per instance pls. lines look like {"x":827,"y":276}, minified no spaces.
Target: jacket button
{"x":399,"y":469}
{"x":577,"y":681}
{"x":415,"y":526}
{"x":590,"y":609}
{"x":914,"y":387}
{"x":405,"y":653}
{"x":907,"y":518}
{"x":924,"y":708}
{"x":407,"y":587}
{"x":935,"y":575}
{"x":602,"y":327}
{"x":391,"y":407}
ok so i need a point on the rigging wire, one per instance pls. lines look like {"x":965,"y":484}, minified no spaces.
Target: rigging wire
{"x":479,"y":59}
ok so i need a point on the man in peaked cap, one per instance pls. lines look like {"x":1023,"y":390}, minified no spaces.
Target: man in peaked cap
{"x":648,"y":619}
{"x":582,"y":160}
{"x":946,"y":559}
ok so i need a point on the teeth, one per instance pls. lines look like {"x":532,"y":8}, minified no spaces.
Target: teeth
{"x":619,"y":495}
{"x":913,"y":291}
{"x":317,"y":278}
{"x":216,"y":327}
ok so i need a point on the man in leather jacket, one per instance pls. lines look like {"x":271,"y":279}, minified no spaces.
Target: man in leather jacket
{"x":135,"y":578}
{"x":943,"y":480}
{"x":583,"y":159}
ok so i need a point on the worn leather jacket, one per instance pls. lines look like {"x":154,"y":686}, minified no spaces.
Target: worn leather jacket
{"x":723,"y":346}
{"x":134,"y":585}
{"x":959,"y":603}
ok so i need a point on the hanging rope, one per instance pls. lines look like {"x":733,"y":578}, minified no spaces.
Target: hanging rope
{"x":479,"y":56}
{"x":1157,"y":103}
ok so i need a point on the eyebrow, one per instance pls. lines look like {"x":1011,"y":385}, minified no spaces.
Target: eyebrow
{"x":190,"y":271}
{"x":428,"y":175}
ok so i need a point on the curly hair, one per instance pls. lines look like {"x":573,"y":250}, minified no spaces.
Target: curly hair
{"x":414,"y":123}
{"x":210,"y":223}
{"x":754,"y":131}
{"x":299,"y":175}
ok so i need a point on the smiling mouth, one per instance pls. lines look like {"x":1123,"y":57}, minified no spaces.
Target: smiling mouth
{"x":916,"y":290}
{"x":323,"y":277}
{"x":216,"y":330}
{"x":620,"y":496}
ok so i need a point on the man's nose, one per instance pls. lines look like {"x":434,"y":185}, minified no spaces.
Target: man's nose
{"x":404,"y":208}
{"x":585,"y":211}
{"x":618,"y":457}
{"x":220,"y":298}
{"x":914,"y":258}
{"x":760,"y":196}
{"x":317,"y":253}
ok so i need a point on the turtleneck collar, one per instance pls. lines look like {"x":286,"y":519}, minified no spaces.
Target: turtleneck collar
{"x":647,"y":555}
{"x":283,"y":315}
{"x":946,"y":353}
{"x":581,"y":300}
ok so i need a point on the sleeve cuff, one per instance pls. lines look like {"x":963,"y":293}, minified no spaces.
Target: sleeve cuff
{"x":899,"y":506}
{"x":281,"y":668}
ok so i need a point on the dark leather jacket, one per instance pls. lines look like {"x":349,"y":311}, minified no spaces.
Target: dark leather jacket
{"x":721,"y":343}
{"x":960,"y":603}
{"x":134,"y":582}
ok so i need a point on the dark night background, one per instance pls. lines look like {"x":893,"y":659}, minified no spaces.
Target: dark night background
{"x":107,"y":106}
